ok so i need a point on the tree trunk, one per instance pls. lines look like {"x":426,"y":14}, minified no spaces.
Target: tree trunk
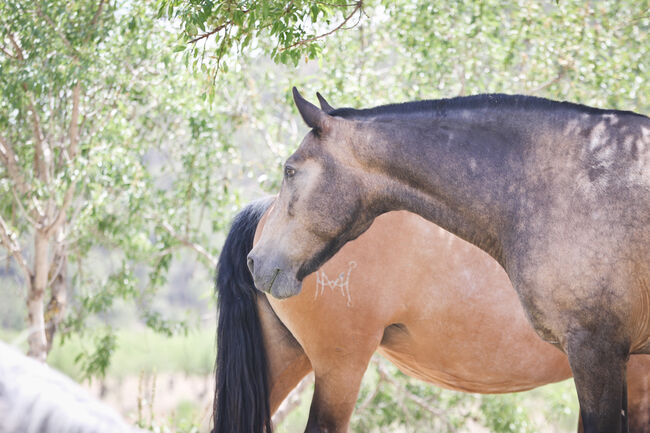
{"x":35,"y":311}
{"x":58,"y":300}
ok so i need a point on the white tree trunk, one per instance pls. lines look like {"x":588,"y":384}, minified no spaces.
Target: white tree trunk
{"x":35,"y":309}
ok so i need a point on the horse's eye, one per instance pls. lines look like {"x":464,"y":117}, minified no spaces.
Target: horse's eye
{"x":289,"y":171}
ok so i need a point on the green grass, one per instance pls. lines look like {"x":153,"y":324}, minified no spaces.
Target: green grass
{"x":142,"y":350}
{"x":8,"y":335}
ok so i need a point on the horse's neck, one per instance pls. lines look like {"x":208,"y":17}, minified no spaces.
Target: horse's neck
{"x":453,"y":172}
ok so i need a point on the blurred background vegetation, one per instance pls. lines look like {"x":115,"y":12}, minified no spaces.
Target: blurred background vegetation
{"x":132,"y":131}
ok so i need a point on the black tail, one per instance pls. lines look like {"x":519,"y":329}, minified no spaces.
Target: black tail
{"x":241,"y":398}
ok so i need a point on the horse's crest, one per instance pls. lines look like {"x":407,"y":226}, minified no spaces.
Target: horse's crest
{"x":342,"y":283}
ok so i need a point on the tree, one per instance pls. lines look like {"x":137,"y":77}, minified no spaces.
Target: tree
{"x":73,"y":77}
{"x":42,"y":74}
{"x":109,"y":163}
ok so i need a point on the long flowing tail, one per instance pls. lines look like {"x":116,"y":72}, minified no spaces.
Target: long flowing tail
{"x":241,"y":398}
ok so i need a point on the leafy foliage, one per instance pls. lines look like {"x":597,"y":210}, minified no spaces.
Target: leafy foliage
{"x":571,"y":49}
{"x":290,"y":28}
{"x":97,"y":361}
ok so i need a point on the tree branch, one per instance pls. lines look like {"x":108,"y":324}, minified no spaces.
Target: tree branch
{"x":215,"y":30}
{"x":293,"y":400}
{"x":643,"y":14}
{"x":74,"y":123}
{"x":61,"y":35}
{"x":22,"y":208}
{"x":210,"y":33}
{"x":56,"y":265}
{"x":42,"y":154}
{"x":60,"y":217}
{"x":7,"y":53}
{"x":551,"y":81}
{"x":93,"y":22}
{"x":7,"y":238}
{"x":19,"y":51}
{"x":8,"y":157}
{"x":37,"y":207}
{"x":196,"y":247}
{"x":385,"y":375}
{"x":370,"y":397}
{"x":357,"y":7}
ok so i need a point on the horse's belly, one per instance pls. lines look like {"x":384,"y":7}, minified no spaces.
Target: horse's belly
{"x":472,"y":364}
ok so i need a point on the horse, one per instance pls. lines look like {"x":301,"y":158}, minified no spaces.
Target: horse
{"x":557,"y":193}
{"x":35,"y":398}
{"x":455,"y":322}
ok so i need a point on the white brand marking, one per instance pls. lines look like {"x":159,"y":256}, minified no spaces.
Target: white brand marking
{"x":342,"y":283}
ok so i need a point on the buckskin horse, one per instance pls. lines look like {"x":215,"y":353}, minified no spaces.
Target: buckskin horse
{"x":436,"y":306}
{"x":557,"y":193}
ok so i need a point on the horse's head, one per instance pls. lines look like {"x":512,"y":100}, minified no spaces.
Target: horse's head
{"x":325,"y":201}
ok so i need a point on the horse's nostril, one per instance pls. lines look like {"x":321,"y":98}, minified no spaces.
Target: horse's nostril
{"x":250,"y":264}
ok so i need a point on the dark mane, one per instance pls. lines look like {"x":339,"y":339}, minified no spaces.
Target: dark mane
{"x":484,"y":101}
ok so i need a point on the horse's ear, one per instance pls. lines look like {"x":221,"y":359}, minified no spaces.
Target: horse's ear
{"x":324,"y":105}
{"x":313,"y":116}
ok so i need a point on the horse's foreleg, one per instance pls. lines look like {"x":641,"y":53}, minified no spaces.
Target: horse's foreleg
{"x":338,"y":374}
{"x":638,"y":395}
{"x":638,"y":387}
{"x":598,"y":366}
{"x":335,"y":394}
{"x":286,"y":359}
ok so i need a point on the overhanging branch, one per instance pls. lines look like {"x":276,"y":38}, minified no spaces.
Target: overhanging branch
{"x":357,"y":8}
{"x":210,"y":33}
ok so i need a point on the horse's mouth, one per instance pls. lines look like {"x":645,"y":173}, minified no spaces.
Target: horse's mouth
{"x":284,"y":285}
{"x":275,"y":275}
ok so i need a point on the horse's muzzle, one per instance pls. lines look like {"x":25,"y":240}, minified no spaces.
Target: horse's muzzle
{"x":272,"y":276}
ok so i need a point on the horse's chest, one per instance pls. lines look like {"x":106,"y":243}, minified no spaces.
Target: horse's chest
{"x":562,"y":290}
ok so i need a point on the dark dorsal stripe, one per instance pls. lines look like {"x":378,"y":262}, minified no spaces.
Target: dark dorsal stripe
{"x":475,"y":102}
